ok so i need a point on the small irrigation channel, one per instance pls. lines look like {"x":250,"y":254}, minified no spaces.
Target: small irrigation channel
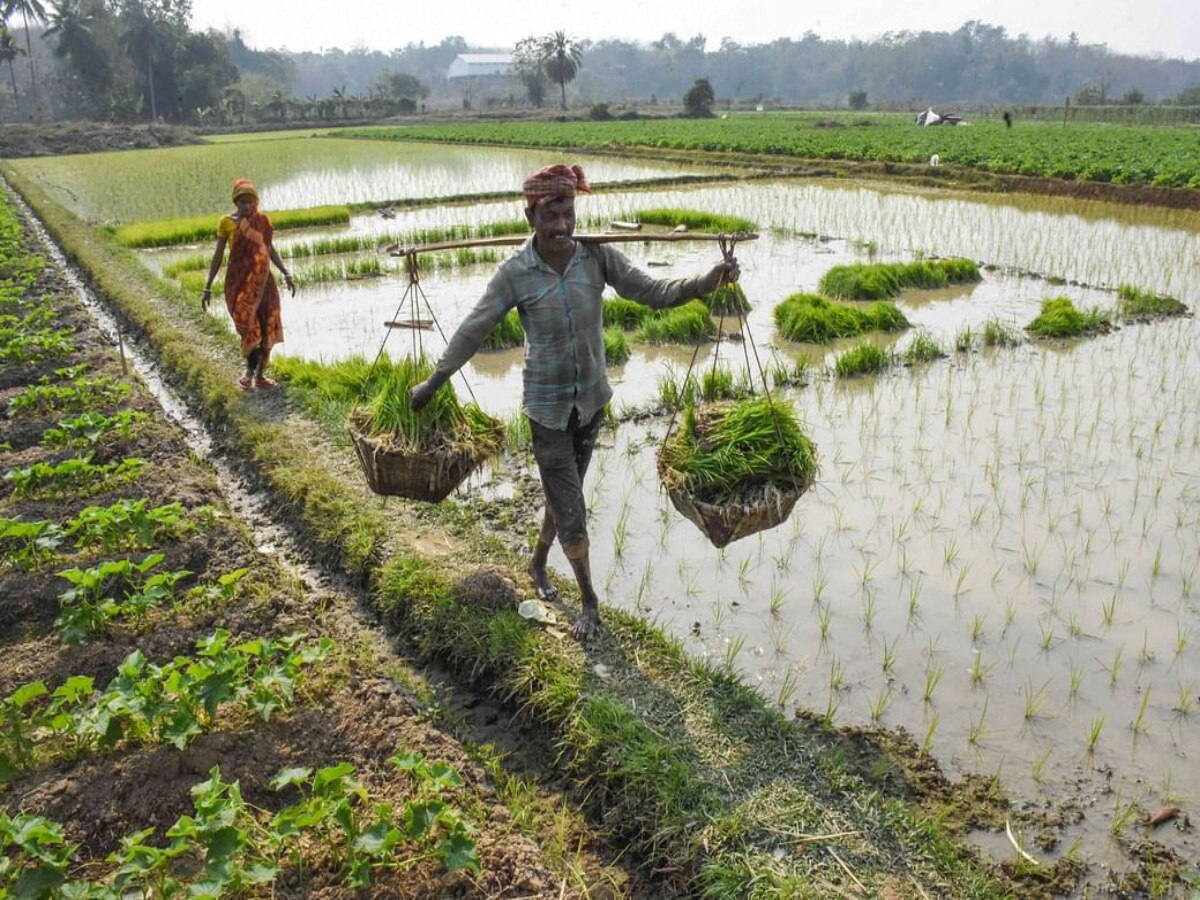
{"x":999,"y":555}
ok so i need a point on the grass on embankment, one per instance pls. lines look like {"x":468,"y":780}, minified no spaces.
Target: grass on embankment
{"x":708,"y":785}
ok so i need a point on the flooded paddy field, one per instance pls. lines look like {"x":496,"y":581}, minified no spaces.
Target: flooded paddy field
{"x":1000,"y":555}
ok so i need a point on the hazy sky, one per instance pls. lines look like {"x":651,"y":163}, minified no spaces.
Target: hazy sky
{"x":1147,"y":27}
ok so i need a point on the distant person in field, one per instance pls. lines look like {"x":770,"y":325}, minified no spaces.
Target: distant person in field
{"x":251,"y":294}
{"x":555,"y":284}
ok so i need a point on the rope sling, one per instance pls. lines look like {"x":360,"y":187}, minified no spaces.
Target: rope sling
{"x":419,"y":467}
{"x":769,"y":501}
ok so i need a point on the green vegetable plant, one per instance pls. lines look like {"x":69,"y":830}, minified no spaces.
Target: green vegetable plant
{"x":77,"y":477}
{"x":90,"y":428}
{"x":82,"y":394}
{"x":87,"y":608}
{"x":29,"y":545}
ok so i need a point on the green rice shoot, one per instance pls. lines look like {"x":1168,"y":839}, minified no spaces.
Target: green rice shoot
{"x":862,"y":359}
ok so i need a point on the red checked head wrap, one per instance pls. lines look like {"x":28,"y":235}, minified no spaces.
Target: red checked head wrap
{"x":244,"y":186}
{"x":554,"y":181}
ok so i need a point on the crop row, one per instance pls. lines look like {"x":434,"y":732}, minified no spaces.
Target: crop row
{"x":1162,"y":156}
{"x":225,"y":845}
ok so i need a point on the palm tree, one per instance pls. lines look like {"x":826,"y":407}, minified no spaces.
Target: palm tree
{"x":144,"y":38}
{"x":29,"y":9}
{"x":561,"y":60}
{"x":9,"y":51}
{"x":71,"y":24}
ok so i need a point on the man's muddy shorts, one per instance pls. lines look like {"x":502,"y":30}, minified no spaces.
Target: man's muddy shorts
{"x":563,"y":458}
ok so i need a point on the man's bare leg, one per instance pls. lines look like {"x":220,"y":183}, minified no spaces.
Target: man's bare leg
{"x":588,"y":623}
{"x":541,"y":552}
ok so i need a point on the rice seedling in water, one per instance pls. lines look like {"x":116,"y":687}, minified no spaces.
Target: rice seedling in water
{"x":880,"y":704}
{"x":507,"y":333}
{"x":964,"y":340}
{"x":814,"y":319}
{"x":862,"y":359}
{"x":1139,"y":723}
{"x":933,"y":677}
{"x":924,"y":348}
{"x":1059,"y":318}
{"x":1136,"y":305}
{"x":875,"y":281}
{"x":1000,"y":334}
{"x":934,"y":720}
{"x":1039,"y":766}
{"x":1035,"y":700}
{"x":624,"y":314}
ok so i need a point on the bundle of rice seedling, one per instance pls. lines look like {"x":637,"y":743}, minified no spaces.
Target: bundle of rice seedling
{"x":507,"y":333}
{"x":814,"y":319}
{"x":737,"y":467}
{"x":687,"y":324}
{"x":425,"y":455}
{"x":727,"y":300}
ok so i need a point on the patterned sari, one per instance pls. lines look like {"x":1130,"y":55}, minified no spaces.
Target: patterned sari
{"x":251,"y":293}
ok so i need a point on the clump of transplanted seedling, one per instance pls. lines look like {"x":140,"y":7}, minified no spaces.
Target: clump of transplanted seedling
{"x":814,"y":319}
{"x":863,"y":359}
{"x":1060,"y":318}
{"x":875,"y":281}
{"x":1135,"y":305}
{"x":923,"y":348}
{"x":1000,"y":334}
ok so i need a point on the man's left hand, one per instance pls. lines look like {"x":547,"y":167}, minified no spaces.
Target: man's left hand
{"x":727,"y":270}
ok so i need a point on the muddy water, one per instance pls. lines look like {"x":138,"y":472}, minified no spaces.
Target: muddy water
{"x":1001,"y":552}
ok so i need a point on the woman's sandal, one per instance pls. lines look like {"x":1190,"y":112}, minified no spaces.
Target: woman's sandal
{"x":245,"y":383}
{"x":263,"y":383}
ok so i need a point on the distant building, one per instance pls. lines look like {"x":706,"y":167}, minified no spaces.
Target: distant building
{"x":476,"y":65}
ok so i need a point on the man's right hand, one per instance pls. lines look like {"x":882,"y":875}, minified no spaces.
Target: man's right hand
{"x":422,"y":393}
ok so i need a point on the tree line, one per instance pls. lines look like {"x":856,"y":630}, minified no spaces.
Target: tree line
{"x":139,"y":60}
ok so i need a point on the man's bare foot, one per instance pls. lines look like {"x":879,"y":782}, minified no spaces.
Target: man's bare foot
{"x":586,"y":627}
{"x":541,"y":582}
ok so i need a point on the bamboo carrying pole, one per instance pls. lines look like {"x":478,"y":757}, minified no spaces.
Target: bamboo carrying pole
{"x":606,"y":237}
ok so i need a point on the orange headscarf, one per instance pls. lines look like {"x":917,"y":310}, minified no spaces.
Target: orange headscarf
{"x":554,"y":181}
{"x":244,"y":186}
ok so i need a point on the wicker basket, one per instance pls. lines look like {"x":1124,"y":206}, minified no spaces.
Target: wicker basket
{"x":727,"y":522}
{"x":415,"y":474}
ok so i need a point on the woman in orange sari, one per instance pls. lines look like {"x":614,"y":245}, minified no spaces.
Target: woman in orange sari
{"x":250,"y":290}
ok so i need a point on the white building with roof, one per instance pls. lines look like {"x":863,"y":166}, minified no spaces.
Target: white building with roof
{"x":475,"y":65}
